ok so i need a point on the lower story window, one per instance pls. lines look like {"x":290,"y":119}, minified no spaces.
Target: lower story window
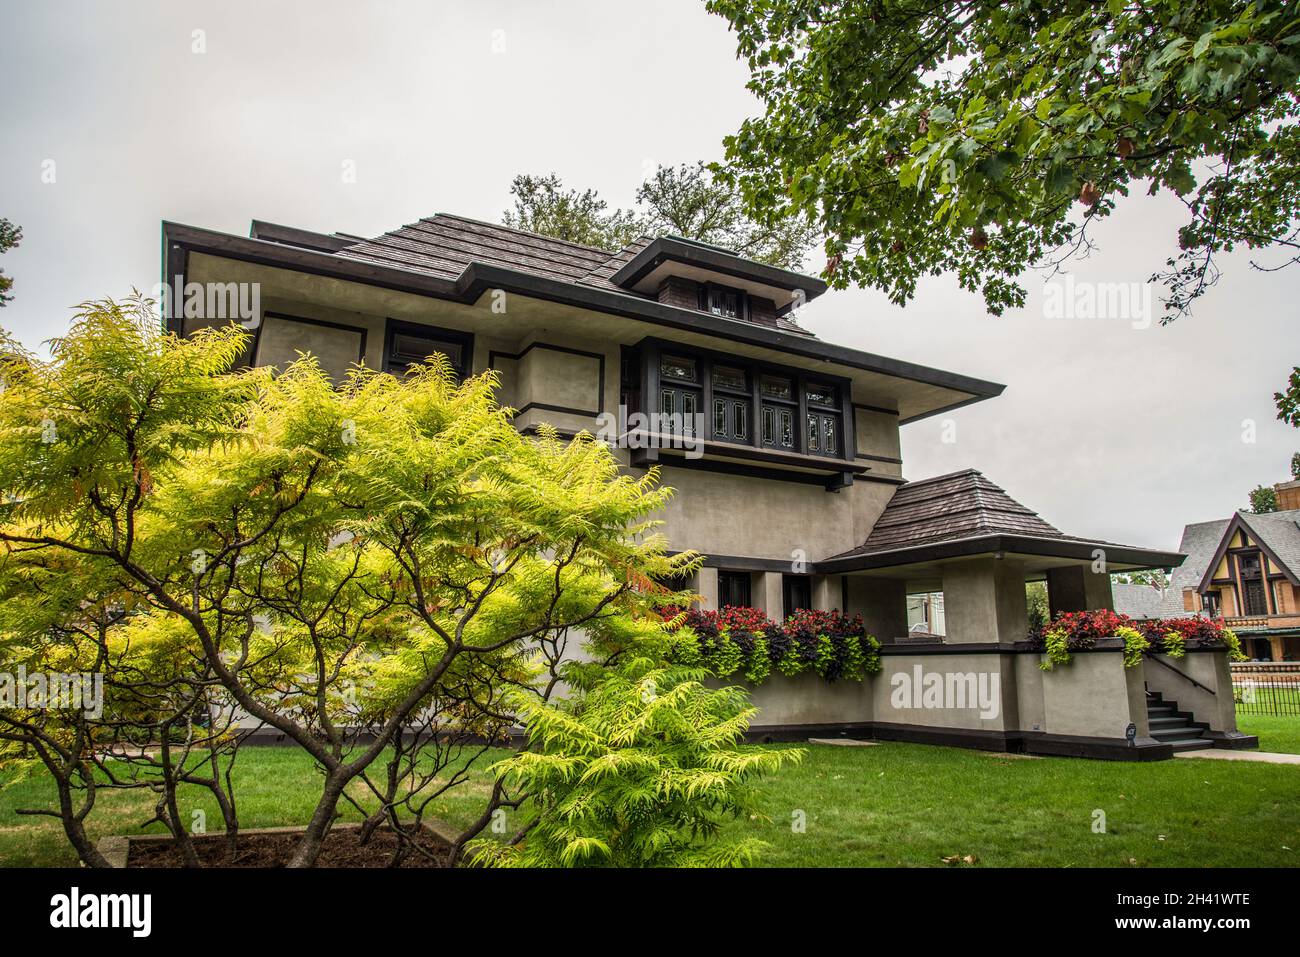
{"x":733,"y":589}
{"x":797,"y":593}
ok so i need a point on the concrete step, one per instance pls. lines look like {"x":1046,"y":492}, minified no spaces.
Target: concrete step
{"x":1175,"y":732}
{"x":1192,"y":744}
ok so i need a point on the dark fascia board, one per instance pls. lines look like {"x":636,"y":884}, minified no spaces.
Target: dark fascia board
{"x":478,"y":278}
{"x":669,"y":248}
{"x":1235,"y":524}
{"x":303,"y":238}
{"x":1008,"y":544}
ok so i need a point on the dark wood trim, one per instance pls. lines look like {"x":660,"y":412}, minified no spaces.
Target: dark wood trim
{"x":310,"y":321}
{"x":466,"y":339}
{"x":645,"y":458}
{"x":1023,"y":545}
{"x":1235,"y":524}
{"x":547,"y":407}
{"x":669,"y":249}
{"x":874,"y":408}
{"x":494,"y":354}
{"x":175,"y":263}
{"x":879,"y":458}
{"x":478,"y":278}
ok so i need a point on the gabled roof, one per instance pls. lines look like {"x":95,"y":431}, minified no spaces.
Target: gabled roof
{"x":963,"y":513}
{"x":443,"y":245}
{"x":1275,"y":532}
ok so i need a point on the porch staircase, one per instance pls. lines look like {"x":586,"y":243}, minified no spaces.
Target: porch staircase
{"x":1173,"y":727}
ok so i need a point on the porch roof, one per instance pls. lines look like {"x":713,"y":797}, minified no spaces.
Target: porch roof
{"x":963,"y":514}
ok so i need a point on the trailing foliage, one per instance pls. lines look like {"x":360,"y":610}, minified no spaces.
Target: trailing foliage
{"x":732,"y":640}
{"x":1079,"y":630}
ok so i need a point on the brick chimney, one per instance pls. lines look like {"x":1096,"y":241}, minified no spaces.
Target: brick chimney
{"x":1288,"y":495}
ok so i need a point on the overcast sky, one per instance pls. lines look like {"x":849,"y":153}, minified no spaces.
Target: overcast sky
{"x":1106,"y":430}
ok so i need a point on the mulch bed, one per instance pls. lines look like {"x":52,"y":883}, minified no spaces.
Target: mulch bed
{"x":341,"y":849}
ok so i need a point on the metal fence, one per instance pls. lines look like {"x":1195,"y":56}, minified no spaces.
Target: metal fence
{"x":1266,"y":687}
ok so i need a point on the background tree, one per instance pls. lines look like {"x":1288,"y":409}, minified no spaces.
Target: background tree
{"x":1295,"y":465}
{"x":981,"y":138}
{"x":1263,"y":499}
{"x":543,"y":205}
{"x":1288,"y":403}
{"x":1155,"y":577}
{"x":682,"y":200}
{"x":10,"y":235}
{"x":686,"y":201}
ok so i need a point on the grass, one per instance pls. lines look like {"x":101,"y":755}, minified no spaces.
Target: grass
{"x":886,"y":805}
{"x":1275,"y":732}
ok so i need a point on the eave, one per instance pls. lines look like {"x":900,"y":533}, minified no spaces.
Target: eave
{"x":180,"y":240}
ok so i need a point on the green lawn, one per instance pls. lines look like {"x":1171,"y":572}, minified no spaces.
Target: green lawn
{"x":1276,"y":733}
{"x":888,"y":805}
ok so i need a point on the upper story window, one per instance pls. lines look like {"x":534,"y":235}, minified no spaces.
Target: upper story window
{"x":680,"y":393}
{"x":824,"y":418}
{"x":410,"y":344}
{"x":722,"y":301}
{"x":725,"y":399}
{"x":681,"y":368}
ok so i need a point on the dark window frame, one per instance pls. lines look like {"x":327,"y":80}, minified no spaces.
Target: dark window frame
{"x":708,"y":290}
{"x":737,"y":585}
{"x":790,"y":601}
{"x":650,"y":350}
{"x":395,"y":327}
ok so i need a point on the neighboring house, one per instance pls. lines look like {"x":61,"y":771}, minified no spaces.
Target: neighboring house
{"x":1138,"y":601}
{"x":783,"y":450}
{"x":1246,"y":570}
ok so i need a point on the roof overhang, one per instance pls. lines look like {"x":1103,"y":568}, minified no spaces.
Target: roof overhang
{"x":918,"y":391}
{"x":672,"y":256}
{"x":1069,"y":550}
{"x":1236,"y":524}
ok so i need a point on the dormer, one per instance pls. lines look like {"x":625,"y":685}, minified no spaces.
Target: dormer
{"x":694,"y":275}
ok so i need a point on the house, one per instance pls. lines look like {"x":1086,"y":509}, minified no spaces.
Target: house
{"x":1246,"y":571}
{"x":783,"y":449}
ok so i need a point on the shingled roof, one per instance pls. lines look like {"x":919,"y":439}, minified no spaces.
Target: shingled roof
{"x":947,"y":507}
{"x":963,"y":513}
{"x":443,"y":245}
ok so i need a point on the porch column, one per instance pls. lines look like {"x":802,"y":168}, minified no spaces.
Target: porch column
{"x":1078,"y":588}
{"x":882,"y":603}
{"x":767,"y":595}
{"x":826,"y":593}
{"x":984,"y":600}
{"x":707,"y":585}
